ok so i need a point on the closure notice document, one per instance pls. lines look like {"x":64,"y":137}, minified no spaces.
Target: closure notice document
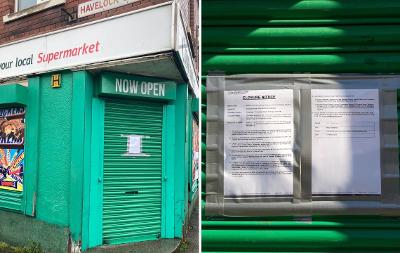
{"x":258,"y":142}
{"x":345,"y":141}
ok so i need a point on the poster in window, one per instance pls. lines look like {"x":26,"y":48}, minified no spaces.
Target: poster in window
{"x":12,"y":153}
{"x":196,"y":149}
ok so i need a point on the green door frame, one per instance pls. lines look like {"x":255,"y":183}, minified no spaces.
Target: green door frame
{"x":94,"y":229}
{"x":95,"y":188}
{"x":168,"y":210}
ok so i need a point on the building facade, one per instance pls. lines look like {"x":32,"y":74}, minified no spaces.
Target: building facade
{"x":99,"y":116}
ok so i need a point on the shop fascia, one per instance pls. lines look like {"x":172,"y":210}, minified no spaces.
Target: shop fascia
{"x":103,"y":41}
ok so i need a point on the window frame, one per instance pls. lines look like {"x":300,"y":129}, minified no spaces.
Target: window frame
{"x":44,"y":5}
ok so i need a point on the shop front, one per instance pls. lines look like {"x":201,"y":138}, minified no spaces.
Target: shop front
{"x":96,"y":133}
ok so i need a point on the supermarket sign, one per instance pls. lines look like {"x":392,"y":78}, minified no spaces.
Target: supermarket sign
{"x":112,"y":39}
{"x":45,"y":58}
{"x":96,"y":6}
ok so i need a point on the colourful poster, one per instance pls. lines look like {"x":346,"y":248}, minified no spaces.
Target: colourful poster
{"x":12,"y":126}
{"x":12,"y":135}
{"x":11,"y":169}
{"x":196,"y":149}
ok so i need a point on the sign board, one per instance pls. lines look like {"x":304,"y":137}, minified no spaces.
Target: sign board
{"x":137,"y":86}
{"x":185,"y":54}
{"x":345,"y":141}
{"x":137,"y":34}
{"x":258,"y":142}
{"x":95,"y":6}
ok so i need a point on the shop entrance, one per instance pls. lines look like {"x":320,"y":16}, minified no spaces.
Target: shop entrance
{"x":133,"y":171}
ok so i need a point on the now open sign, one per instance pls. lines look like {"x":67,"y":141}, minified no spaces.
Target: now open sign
{"x":137,"y":86}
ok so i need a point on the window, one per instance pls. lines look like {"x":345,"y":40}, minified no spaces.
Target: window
{"x":25,"y":4}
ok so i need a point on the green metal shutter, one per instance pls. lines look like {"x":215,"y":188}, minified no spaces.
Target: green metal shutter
{"x":11,"y":200}
{"x":297,"y":36}
{"x":132,"y":194}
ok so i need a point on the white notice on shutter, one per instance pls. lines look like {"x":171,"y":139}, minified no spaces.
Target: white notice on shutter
{"x":258,"y":142}
{"x":135,"y":144}
{"x":345,"y":141}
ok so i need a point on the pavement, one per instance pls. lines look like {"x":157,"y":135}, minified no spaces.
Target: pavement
{"x":190,"y":243}
{"x":159,"y":246}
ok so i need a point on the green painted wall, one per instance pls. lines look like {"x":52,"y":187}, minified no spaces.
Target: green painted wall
{"x":48,"y":162}
{"x":180,"y":158}
{"x":19,"y":230}
{"x":13,"y":94}
{"x":55,"y":135}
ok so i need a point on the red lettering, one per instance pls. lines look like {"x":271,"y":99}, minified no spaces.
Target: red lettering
{"x":40,"y":58}
{"x":97,"y":46}
{"x":56,"y":55}
{"x":82,"y":9}
{"x":85,"y":48}
{"x":91,"y":48}
{"x":67,"y":53}
{"x":50,"y":57}
{"x":89,"y":7}
{"x":74,"y":51}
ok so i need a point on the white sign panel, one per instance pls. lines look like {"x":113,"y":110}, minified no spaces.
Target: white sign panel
{"x":185,"y":53}
{"x":258,"y":134}
{"x":345,"y":141}
{"x":96,"y":6}
{"x":121,"y":37}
